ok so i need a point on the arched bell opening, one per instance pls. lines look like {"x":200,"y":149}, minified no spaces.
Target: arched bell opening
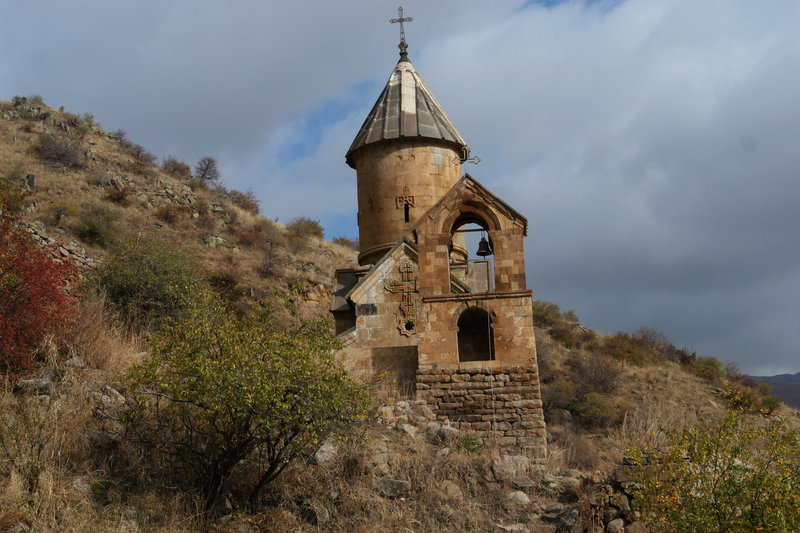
{"x":475,"y":336}
{"x":475,"y":271}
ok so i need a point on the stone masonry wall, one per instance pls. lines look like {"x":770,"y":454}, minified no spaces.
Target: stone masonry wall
{"x":498,"y":404}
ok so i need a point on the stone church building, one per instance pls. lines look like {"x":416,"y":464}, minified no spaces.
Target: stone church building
{"x":441,"y":326}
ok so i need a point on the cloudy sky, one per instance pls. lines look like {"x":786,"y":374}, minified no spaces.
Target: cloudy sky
{"x":653,"y":144}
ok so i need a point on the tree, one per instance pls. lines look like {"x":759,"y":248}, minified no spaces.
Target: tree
{"x":221,"y":390}
{"x":736,"y":476}
{"x":206,"y":169}
{"x":33,"y":288}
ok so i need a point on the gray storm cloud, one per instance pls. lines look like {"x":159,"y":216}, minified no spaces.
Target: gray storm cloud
{"x":653,"y":144}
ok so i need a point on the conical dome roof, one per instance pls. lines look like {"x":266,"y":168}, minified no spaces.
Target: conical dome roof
{"x":405,"y":109}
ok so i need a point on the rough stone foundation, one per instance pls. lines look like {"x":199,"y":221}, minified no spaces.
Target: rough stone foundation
{"x":503,"y":405}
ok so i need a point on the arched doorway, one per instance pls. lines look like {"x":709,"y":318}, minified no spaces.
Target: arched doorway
{"x":475,"y":336}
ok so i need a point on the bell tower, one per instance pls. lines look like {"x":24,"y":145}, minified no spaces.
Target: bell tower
{"x":418,"y":314}
{"x":406,"y":155}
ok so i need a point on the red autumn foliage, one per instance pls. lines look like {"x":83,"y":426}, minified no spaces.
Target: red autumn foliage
{"x":33,"y":295}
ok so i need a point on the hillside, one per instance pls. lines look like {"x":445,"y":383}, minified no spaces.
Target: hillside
{"x":78,"y":169}
{"x":64,"y":467}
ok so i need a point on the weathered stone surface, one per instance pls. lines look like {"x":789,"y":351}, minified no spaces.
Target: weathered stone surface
{"x":506,"y":467}
{"x":616,"y":526}
{"x":522,"y":482}
{"x":326,"y":453}
{"x":43,"y":385}
{"x":513,"y":528}
{"x":394,"y":488}
{"x":378,"y":458}
{"x":518,"y":498}
{"x":635,"y":527}
{"x":621,"y":502}
{"x":569,"y":487}
{"x":409,"y":430}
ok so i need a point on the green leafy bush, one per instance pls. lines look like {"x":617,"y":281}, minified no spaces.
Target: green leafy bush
{"x":470,"y":443}
{"x":708,"y":368}
{"x":595,"y":410}
{"x":737,"y":476}
{"x":149,"y":279}
{"x":223,"y":390}
{"x":545,"y":314}
{"x":97,"y":225}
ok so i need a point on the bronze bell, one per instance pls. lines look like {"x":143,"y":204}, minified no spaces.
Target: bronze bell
{"x":483,"y":248}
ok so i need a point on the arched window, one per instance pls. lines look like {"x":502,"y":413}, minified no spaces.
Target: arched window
{"x":475,"y":336}
{"x":472,"y":264}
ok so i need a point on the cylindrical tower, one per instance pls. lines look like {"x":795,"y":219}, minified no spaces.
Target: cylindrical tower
{"x":407,"y":155}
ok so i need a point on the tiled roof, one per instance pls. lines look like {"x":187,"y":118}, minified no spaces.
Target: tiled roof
{"x":405,"y":109}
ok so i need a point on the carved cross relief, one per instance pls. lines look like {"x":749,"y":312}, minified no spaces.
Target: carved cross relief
{"x":407,"y":320}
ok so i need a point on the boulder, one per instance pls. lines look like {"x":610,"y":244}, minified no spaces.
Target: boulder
{"x":522,"y":482}
{"x":450,"y":492}
{"x":616,"y":526}
{"x":506,"y":467}
{"x":635,"y":527}
{"x":409,"y":430}
{"x":326,"y":453}
{"x":394,"y":488}
{"x":514,"y":528}
{"x":518,"y":498}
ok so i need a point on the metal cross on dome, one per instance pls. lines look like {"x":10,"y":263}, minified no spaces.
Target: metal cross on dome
{"x":401,"y":20}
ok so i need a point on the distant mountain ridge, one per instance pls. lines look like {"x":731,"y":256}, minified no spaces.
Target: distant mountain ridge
{"x":780,"y":378}
{"x":787,"y":386}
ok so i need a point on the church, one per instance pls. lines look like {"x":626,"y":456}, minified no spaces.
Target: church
{"x":442,"y":322}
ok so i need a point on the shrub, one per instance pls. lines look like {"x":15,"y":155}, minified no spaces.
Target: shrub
{"x":60,"y":148}
{"x":149,"y":279}
{"x":176,"y":168}
{"x":58,"y":210}
{"x":708,"y":368}
{"x":561,"y":393}
{"x":304,"y":228}
{"x":346,"y":242}
{"x":625,"y":347}
{"x":470,"y":443}
{"x":571,"y":334}
{"x":33,"y":294}
{"x":118,"y":195}
{"x":570,"y":316}
{"x":206,"y":170}
{"x":246,"y":200}
{"x":595,"y":410}
{"x":226,"y":287}
{"x":98,"y":226}
{"x":596,"y":372}
{"x":545,"y":313}
{"x":750,"y":400}
{"x":657,"y":342}
{"x":223,"y":390}
{"x":168,"y":213}
{"x":13,"y":197}
{"x":736,"y":476}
